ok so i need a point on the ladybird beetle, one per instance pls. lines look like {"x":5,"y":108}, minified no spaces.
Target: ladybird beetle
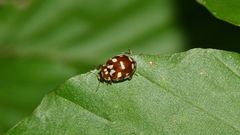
{"x":117,"y":69}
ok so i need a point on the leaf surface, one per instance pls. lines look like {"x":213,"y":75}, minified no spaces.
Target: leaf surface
{"x":197,"y":91}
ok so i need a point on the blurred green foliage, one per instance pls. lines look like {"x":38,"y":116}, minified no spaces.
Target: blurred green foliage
{"x":42,"y":43}
{"x":227,"y":10}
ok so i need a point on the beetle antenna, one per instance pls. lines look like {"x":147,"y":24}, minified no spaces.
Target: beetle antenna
{"x":129,"y":51}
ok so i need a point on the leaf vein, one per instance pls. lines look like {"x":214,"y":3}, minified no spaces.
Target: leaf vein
{"x":190,"y":103}
{"x":227,"y":66}
{"x":97,"y":115}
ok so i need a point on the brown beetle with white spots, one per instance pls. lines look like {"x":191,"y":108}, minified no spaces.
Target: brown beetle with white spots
{"x":117,"y":69}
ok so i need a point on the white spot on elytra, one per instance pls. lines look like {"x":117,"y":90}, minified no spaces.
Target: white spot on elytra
{"x":119,"y":74}
{"x":130,"y":59}
{"x":106,"y":72}
{"x":122,"y":65}
{"x":108,"y":78}
{"x":114,"y":60}
{"x":110,"y":66}
{"x":127,"y":74}
{"x":112,"y":72}
{"x":132,"y":66}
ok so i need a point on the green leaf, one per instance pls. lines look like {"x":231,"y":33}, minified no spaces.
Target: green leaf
{"x":227,"y":10}
{"x":44,"y":42}
{"x":194,"y":92}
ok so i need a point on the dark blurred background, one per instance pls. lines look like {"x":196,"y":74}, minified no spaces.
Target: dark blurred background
{"x":203,"y":30}
{"x":43,"y":43}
